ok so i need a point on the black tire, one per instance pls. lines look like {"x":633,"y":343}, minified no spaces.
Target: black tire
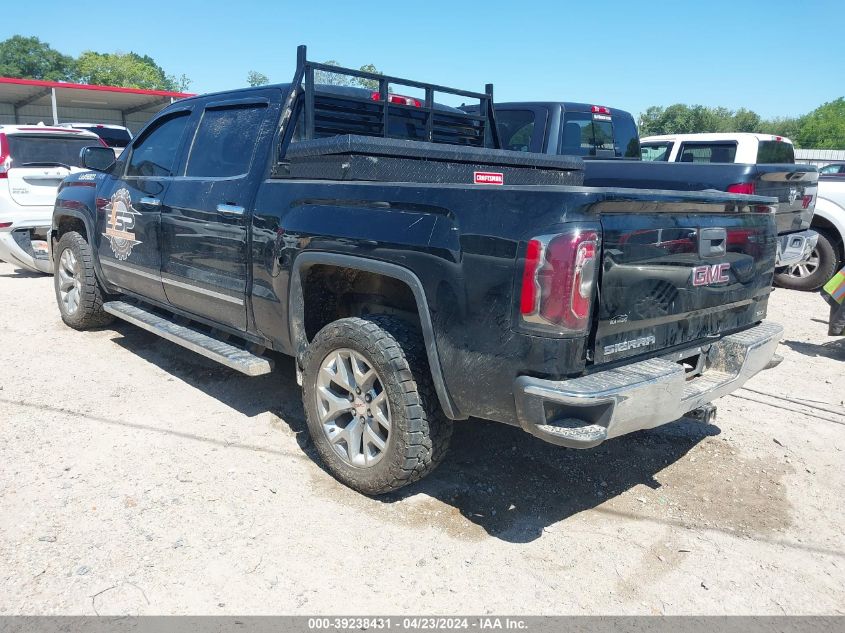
{"x":420,"y":433}
{"x":828,"y":265}
{"x":89,"y":311}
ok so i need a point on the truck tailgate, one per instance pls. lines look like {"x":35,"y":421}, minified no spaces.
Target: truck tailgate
{"x":684,"y":273}
{"x":795,"y":187}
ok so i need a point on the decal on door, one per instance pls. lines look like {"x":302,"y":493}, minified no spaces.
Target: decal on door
{"x":120,"y":220}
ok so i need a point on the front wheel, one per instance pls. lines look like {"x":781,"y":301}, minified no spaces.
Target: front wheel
{"x":78,"y":291}
{"x":816,"y":271}
{"x":370,"y":404}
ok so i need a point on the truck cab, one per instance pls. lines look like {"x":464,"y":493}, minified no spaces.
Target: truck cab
{"x":568,"y":128}
{"x":748,"y":148}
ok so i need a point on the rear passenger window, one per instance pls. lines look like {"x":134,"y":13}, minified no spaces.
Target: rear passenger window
{"x":707,"y":153}
{"x":225,"y":141}
{"x":155,"y":153}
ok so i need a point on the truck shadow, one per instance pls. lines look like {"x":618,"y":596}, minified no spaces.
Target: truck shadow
{"x":20,"y":273}
{"x":834,"y":349}
{"x":496,"y":477}
{"x":514,"y":486}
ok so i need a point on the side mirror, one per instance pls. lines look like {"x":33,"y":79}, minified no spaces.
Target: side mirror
{"x":97,"y":158}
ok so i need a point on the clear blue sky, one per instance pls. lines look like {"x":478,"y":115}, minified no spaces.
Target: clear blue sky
{"x":777,"y":57}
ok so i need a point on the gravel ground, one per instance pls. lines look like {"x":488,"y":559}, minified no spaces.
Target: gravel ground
{"x":137,"y":477}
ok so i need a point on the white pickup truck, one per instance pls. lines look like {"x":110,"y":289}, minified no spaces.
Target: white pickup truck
{"x":802,"y":261}
{"x":829,"y":221}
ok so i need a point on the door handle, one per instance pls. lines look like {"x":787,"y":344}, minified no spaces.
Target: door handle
{"x":150,"y":202}
{"x":230,"y":210}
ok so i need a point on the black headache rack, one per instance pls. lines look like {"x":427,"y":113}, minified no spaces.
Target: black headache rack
{"x":326,"y":111}
{"x":341,"y":133}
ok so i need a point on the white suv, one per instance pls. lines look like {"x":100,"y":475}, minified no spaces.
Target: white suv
{"x":34,"y":159}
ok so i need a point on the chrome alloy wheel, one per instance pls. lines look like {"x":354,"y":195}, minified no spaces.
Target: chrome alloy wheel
{"x":352,"y":407}
{"x":70,"y":284}
{"x":805,"y":268}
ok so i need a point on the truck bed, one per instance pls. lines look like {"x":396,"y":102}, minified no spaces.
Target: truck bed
{"x":367,"y":158}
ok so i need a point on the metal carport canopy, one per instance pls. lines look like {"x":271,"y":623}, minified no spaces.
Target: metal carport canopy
{"x":23,"y":100}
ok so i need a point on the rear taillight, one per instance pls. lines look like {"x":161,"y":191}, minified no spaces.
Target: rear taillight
{"x":5,"y":158}
{"x":742,"y":187}
{"x":558,"y":280}
{"x":398,"y":99}
{"x":5,"y":225}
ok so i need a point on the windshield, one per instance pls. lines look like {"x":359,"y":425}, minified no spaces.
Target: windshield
{"x":656,"y":151}
{"x":775,"y":152}
{"x":587,"y":134}
{"x":113,"y":137}
{"x":43,"y":149}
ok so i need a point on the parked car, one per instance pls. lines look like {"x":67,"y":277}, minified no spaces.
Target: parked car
{"x":828,"y":256}
{"x":416,"y":272}
{"x":833,"y":169}
{"x":551,"y":128}
{"x":33,"y":161}
{"x":115,"y":136}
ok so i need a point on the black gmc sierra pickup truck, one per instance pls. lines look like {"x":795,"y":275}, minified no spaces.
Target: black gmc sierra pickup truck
{"x":418,"y":273}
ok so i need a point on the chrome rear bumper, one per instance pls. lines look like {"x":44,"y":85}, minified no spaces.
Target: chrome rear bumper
{"x":583,"y":412}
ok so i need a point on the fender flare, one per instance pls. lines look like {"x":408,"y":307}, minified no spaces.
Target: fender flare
{"x":296,"y":311}
{"x":833,"y":213}
{"x":89,"y":231}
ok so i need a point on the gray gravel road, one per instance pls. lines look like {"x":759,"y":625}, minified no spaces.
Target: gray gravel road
{"x":137,"y":477}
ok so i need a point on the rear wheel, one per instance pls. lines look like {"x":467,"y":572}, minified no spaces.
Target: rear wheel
{"x":370,"y":404}
{"x":78,"y":291}
{"x":816,"y":271}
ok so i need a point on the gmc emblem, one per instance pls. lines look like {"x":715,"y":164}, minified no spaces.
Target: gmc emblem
{"x":709,"y":275}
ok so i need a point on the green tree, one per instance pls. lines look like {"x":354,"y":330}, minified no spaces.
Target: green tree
{"x":255,"y":78}
{"x":372,"y":84}
{"x":746,"y":121}
{"x":335,"y":79}
{"x":782,"y":126}
{"x":824,"y":127}
{"x":128,"y":70}
{"x":30,"y":58}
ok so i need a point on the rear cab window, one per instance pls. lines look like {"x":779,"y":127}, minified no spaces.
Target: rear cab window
{"x":38,"y":150}
{"x":516,"y":129}
{"x":702,"y":152}
{"x":600,"y":135}
{"x":775,"y":152}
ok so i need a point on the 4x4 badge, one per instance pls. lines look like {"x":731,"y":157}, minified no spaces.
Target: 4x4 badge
{"x":120,"y":220}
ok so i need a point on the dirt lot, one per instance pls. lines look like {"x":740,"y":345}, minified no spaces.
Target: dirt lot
{"x":137,"y":477}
